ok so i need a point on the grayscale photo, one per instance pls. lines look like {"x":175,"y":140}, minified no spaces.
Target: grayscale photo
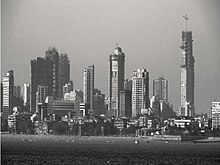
{"x":110,"y":82}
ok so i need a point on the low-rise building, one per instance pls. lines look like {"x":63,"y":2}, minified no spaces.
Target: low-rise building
{"x":215,"y":114}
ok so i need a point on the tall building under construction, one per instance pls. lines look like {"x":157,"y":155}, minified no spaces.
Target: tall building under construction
{"x":187,"y":107}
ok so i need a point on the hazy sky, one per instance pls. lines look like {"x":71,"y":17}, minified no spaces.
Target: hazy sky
{"x":148,"y":31}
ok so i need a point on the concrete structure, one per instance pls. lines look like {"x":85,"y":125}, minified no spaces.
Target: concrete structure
{"x":25,"y":94}
{"x":52,"y":61}
{"x":140,"y":91}
{"x":88,"y":86}
{"x":116,"y":75}
{"x":160,"y":89}
{"x":63,"y":73}
{"x":84,"y":109}
{"x":99,"y":102}
{"x":7,"y":94}
{"x":215,"y":109}
{"x":187,"y":107}
{"x":52,"y":71}
{"x":38,"y":77}
{"x":17,"y":91}
{"x":68,"y":87}
{"x":75,"y":95}
{"x":62,"y":108}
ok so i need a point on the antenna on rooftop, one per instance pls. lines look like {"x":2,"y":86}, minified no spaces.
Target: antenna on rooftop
{"x":186,"y":19}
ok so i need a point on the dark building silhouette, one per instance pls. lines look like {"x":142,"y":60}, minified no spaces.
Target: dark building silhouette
{"x":52,"y":60}
{"x":99,"y":102}
{"x":52,"y":71}
{"x":63,"y":73}
{"x":38,"y":77}
{"x":88,"y":86}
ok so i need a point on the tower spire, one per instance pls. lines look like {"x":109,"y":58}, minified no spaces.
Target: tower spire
{"x":186,"y":19}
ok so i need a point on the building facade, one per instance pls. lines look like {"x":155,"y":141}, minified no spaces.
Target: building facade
{"x":38,"y":77}
{"x":99,"y":102}
{"x":140,"y":91}
{"x":7,"y":94}
{"x":63,"y":73}
{"x":215,"y":114}
{"x":187,"y":107}
{"x":126,"y":99}
{"x":88,"y":86}
{"x":116,"y":75}
{"x":68,"y":87}
{"x":52,"y":61}
{"x":160,"y":89}
{"x":25,"y":94}
{"x":52,"y":71}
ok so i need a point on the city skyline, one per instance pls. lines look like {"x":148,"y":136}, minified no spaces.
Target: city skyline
{"x":126,"y":26}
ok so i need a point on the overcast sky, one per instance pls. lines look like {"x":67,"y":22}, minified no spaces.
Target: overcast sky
{"x":148,"y":31}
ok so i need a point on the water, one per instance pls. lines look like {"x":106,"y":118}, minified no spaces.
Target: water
{"x":25,"y":149}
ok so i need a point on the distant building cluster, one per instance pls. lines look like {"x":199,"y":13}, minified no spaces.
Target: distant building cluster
{"x":51,"y":96}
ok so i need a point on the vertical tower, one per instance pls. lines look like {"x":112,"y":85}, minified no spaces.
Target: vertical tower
{"x":140,"y":91}
{"x":115,"y":80}
{"x":25,"y":94}
{"x":99,"y":102}
{"x":7,"y":100}
{"x":187,"y":107}
{"x":39,"y":76}
{"x":88,"y":86}
{"x":160,"y":89}
{"x":63,"y":73}
{"x":52,"y":60}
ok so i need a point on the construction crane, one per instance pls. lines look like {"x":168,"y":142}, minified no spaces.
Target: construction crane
{"x":186,"y":18}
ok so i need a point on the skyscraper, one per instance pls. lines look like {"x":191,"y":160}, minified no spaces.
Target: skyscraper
{"x":140,"y":91}
{"x":99,"y":102}
{"x":160,"y":89}
{"x":7,"y":100}
{"x":52,"y":60}
{"x":88,"y":86}
{"x":63,"y":73}
{"x":126,"y":99}
{"x":38,"y":77}
{"x":25,"y":94}
{"x":187,"y":107}
{"x":41,"y":94}
{"x":115,"y":80}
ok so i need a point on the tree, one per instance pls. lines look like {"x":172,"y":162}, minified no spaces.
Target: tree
{"x":60,"y":128}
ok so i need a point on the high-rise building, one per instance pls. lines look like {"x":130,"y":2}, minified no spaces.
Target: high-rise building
{"x":25,"y":94}
{"x":52,"y":60}
{"x":126,"y":99}
{"x":140,"y":91}
{"x":115,"y":80}
{"x":160,"y":89}
{"x":99,"y":102}
{"x":38,"y":77}
{"x":63,"y":73}
{"x":187,"y":107}
{"x":88,"y":86}
{"x":7,"y":98}
{"x":17,"y":91}
{"x":215,"y":114}
{"x":52,"y":71}
{"x":41,"y":94}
